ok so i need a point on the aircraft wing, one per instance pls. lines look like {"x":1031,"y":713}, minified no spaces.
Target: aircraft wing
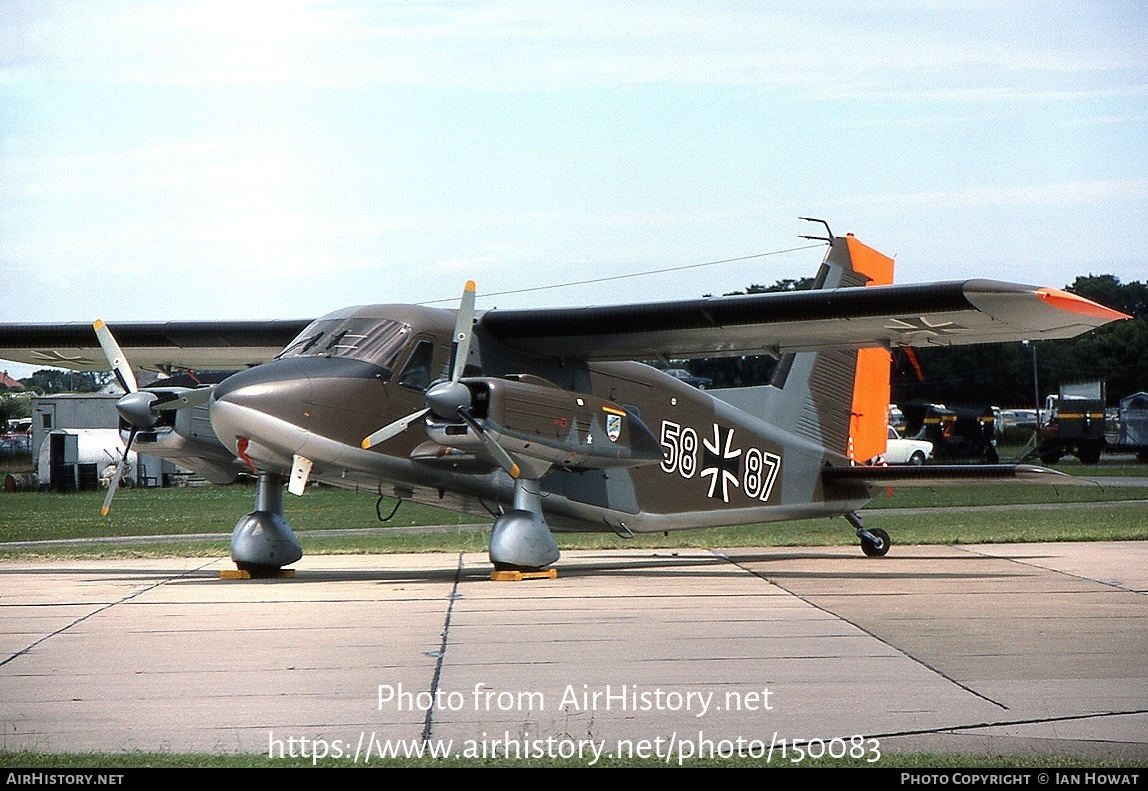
{"x":934,"y":314}
{"x":196,"y":345}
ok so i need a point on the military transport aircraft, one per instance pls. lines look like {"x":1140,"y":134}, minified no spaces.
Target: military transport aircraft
{"x":545,"y":418}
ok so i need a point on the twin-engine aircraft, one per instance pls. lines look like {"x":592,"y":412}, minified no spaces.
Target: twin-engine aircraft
{"x":545,"y":419}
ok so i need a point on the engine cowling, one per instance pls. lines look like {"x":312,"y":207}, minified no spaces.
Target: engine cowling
{"x":532,"y":418}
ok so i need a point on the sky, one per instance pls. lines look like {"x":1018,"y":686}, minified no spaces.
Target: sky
{"x":209,"y":160}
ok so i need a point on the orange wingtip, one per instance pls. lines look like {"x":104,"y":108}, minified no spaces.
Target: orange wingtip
{"x":1075,"y":304}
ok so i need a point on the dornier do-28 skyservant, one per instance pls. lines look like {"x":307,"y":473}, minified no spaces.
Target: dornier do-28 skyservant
{"x":547,"y":418}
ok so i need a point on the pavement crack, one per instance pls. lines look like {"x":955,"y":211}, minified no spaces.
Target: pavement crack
{"x":99,"y":610}
{"x":1108,"y":583}
{"x":440,"y":655}
{"x":1007,"y":723}
{"x":872,"y":634}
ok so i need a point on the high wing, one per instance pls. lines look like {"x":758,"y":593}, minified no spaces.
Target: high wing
{"x":196,"y":345}
{"x":950,"y":313}
{"x":881,"y":314}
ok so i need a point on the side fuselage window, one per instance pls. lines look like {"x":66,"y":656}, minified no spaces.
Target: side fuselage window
{"x":416,"y":373}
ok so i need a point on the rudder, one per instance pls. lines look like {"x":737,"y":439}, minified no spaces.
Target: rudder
{"x":839,"y":398}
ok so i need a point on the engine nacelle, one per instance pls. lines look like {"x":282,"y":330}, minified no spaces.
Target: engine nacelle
{"x":530,"y":417}
{"x":185,"y":437}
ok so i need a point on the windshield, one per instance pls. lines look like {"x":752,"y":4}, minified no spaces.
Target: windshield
{"x":372,"y":340}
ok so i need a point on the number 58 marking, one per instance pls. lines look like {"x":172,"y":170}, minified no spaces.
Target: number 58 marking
{"x":680,"y":452}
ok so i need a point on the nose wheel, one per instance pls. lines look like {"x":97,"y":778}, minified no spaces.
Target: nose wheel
{"x":875,"y":543}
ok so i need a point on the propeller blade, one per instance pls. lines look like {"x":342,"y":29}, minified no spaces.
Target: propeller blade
{"x":115,"y":355}
{"x":462,"y":331}
{"x":394,"y":429}
{"x":199,"y":395}
{"x":115,"y":482}
{"x":495,"y":450}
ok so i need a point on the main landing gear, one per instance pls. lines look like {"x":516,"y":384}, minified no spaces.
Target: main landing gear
{"x":262,"y":541}
{"x":874,"y":543}
{"x":520,"y":539}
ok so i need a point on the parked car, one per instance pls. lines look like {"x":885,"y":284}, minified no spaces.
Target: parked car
{"x":906,"y":451}
{"x":700,"y":382}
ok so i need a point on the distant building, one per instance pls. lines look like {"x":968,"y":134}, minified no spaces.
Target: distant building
{"x":9,"y":382}
{"x":84,"y":411}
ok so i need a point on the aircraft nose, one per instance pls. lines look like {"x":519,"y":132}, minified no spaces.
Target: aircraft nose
{"x":269,"y":381}
{"x":279,"y":389}
{"x":259,"y":403}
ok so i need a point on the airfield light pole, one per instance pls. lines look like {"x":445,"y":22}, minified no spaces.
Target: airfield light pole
{"x":1035,"y":383}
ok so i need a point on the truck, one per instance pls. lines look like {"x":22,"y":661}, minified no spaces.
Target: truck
{"x":1072,"y":423}
{"x":957,"y":433}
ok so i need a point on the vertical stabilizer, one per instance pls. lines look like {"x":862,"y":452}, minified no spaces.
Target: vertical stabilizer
{"x":869,"y":415}
{"x":839,"y":398}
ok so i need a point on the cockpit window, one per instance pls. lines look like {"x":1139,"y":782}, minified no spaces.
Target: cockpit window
{"x":372,"y":340}
{"x":417,"y":372}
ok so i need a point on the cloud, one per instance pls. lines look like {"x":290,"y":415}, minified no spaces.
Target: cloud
{"x":1069,"y":192}
{"x":529,"y":46}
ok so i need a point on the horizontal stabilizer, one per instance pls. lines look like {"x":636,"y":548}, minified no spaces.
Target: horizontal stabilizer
{"x":941,"y":474}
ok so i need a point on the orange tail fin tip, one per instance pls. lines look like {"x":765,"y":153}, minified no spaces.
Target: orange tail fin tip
{"x":868,"y":424}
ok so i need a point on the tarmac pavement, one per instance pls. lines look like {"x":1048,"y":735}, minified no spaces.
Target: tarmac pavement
{"x":1021,"y":648}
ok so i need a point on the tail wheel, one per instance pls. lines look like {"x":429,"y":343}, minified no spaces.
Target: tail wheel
{"x":877,"y":548}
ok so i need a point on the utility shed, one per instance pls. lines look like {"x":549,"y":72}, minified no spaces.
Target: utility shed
{"x":84,"y":411}
{"x":72,"y":410}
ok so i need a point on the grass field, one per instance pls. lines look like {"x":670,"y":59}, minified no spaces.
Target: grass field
{"x":953,"y":514}
{"x":27,"y":760}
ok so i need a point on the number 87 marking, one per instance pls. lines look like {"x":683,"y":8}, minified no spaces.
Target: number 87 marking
{"x":760,"y":472}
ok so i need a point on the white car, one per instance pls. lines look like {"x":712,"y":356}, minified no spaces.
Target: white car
{"x":906,"y":451}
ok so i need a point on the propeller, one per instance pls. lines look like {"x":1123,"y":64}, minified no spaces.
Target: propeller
{"x":493,"y":448}
{"x":444,"y":398}
{"x":450,"y":399}
{"x":115,"y":482}
{"x":116,"y":357}
{"x":138,"y":407}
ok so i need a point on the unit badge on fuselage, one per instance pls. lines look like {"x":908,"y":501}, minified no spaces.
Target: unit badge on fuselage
{"x":614,"y":417}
